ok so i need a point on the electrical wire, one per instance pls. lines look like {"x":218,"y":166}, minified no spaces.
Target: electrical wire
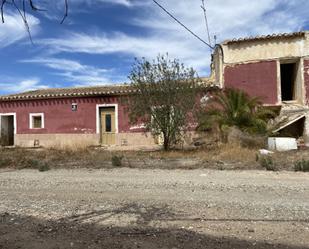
{"x":180,"y":23}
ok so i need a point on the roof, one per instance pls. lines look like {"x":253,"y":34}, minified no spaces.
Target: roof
{"x":93,"y":91}
{"x":266,"y":37}
{"x":289,"y":114}
{"x":289,"y":120}
{"x":70,"y":92}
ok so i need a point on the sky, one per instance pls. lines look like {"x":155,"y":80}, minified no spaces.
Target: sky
{"x":100,"y":39}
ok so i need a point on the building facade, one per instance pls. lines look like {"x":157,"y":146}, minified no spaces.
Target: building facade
{"x":69,"y":117}
{"x":74,"y":117}
{"x":274,"y":68}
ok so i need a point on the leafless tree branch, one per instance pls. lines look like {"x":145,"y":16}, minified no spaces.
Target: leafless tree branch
{"x":2,"y":10}
{"x":33,"y":7}
{"x":66,"y":7}
{"x":21,"y":8}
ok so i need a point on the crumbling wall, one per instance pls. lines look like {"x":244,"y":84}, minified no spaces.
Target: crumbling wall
{"x":258,"y":79}
{"x":306,"y":79}
{"x":217,"y":66}
{"x":292,"y":47}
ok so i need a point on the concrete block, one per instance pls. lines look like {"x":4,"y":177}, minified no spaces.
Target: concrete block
{"x":282,"y":143}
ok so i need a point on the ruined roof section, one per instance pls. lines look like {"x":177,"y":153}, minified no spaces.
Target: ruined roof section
{"x":266,"y":37}
{"x":108,"y":90}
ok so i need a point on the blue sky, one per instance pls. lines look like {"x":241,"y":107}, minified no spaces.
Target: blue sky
{"x":99,"y":40}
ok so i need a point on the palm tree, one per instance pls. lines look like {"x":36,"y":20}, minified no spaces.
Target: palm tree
{"x":233,"y":107}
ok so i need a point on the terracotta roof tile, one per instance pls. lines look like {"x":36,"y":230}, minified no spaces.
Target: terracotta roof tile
{"x":70,"y":92}
{"x":265,"y":37}
{"x":108,"y":90}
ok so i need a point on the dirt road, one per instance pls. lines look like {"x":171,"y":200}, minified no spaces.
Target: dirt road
{"x":130,"y":208}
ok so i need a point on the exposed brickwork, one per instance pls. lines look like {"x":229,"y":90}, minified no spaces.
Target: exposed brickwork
{"x":257,"y":79}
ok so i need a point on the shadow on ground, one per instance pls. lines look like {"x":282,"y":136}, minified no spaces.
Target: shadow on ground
{"x":89,"y":230}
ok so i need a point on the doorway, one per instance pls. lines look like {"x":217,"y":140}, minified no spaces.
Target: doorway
{"x":107,"y":125}
{"x":288,"y":72}
{"x":7,"y":130}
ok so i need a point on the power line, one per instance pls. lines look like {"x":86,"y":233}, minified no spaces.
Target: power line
{"x":206,"y":20}
{"x":190,"y":31}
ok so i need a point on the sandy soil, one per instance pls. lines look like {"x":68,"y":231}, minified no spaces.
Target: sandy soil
{"x":131,"y":208}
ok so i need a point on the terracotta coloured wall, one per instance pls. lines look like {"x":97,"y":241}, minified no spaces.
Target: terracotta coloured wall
{"x":257,"y":79}
{"x":60,"y":119}
{"x":306,"y":78}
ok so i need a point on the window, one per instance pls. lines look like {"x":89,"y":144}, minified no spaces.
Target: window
{"x":108,"y":123}
{"x":36,"y":120}
{"x":74,"y":107}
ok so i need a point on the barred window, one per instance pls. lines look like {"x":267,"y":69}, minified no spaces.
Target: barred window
{"x":36,"y":121}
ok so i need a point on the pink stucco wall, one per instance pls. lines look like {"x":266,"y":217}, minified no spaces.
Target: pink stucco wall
{"x":257,"y":79}
{"x":60,"y":119}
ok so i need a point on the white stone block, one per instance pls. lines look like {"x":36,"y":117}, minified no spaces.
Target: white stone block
{"x":282,"y":143}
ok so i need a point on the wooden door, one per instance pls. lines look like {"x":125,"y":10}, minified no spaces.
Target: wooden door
{"x":7,"y":131}
{"x":108,"y":126}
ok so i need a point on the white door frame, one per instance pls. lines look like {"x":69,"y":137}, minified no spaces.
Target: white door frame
{"x":15,"y":122}
{"x":98,"y":128}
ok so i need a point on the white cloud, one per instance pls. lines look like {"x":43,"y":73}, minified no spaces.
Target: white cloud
{"x":92,"y":2}
{"x":14,"y":30}
{"x":226,"y":20}
{"x":130,"y":45}
{"x":18,"y":85}
{"x":75,"y":72}
{"x":121,"y":2}
{"x":55,"y":9}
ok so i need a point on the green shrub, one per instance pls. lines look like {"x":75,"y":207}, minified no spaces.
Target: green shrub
{"x":24,"y":163}
{"x":43,"y":167}
{"x":302,"y":165}
{"x":5,"y":162}
{"x":117,"y":161}
{"x":33,"y":163}
{"x":267,"y":163}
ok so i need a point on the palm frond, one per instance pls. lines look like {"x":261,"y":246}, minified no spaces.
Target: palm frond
{"x":233,"y":107}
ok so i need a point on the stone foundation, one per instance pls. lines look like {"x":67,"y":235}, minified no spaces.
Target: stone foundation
{"x":135,"y":139}
{"x":80,"y":140}
{"x":57,"y":140}
{"x":75,"y":141}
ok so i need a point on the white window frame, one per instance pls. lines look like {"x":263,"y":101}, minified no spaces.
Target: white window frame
{"x":98,"y":115}
{"x":31,"y":115}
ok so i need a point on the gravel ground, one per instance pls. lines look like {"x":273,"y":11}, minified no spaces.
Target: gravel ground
{"x":131,"y":208}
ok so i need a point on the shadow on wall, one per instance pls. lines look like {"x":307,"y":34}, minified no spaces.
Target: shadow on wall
{"x":86,"y":231}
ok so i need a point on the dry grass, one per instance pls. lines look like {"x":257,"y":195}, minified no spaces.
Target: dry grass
{"x":233,"y":153}
{"x":220,"y":156}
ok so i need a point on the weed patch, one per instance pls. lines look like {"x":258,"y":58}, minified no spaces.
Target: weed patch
{"x":267,"y":162}
{"x":117,"y":161}
{"x":302,"y":165}
{"x":43,"y":167}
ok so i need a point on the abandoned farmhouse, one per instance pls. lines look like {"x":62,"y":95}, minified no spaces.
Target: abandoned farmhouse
{"x":273,"y":67}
